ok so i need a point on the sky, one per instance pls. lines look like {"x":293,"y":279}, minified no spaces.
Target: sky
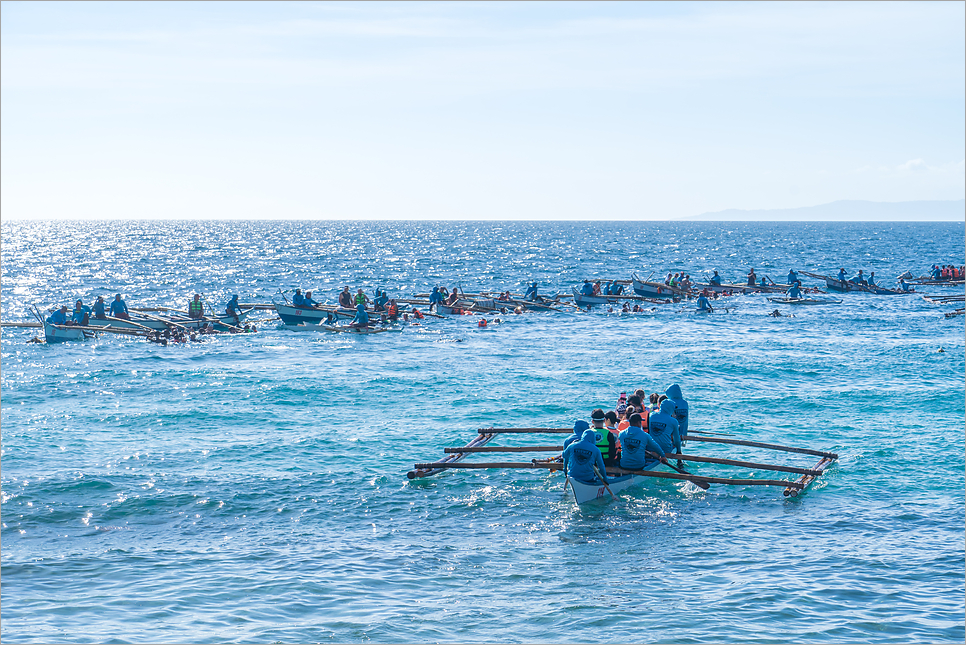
{"x":531,"y":111}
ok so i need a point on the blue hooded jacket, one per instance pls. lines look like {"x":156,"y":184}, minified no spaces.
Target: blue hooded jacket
{"x":635,"y":444}
{"x":664,"y":428}
{"x":792,"y":276}
{"x":794,"y":292}
{"x":435,"y":297}
{"x":362,"y":318}
{"x":680,"y":407}
{"x":587,"y":289}
{"x":57,"y":318}
{"x":232,"y":305}
{"x":99,"y":310}
{"x":703,"y":304}
{"x":841,"y":275}
{"x":298,"y":300}
{"x":580,"y":457}
{"x":579,"y":426}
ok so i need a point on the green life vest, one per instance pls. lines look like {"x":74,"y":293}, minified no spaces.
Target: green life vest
{"x":602,"y":440}
{"x":196,"y":309}
{"x":360,"y":298}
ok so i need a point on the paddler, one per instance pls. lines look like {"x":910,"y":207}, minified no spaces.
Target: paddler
{"x":81,"y":314}
{"x":379,"y":303}
{"x":715,"y":280}
{"x":583,"y":461}
{"x":453,"y":297}
{"x":872,"y":279}
{"x":841,"y":276}
{"x":196,"y":308}
{"x":99,"y":313}
{"x":794,"y":292}
{"x":902,"y":284}
{"x":635,"y":446}
{"x":792,"y":277}
{"x":392,"y":310}
{"x":362,"y":318}
{"x":59,"y":317}
{"x":298,"y":300}
{"x":587,"y":289}
{"x":604,"y":440}
{"x":664,"y":428}
{"x":345,"y":298}
{"x":704,"y":304}
{"x":579,"y":426}
{"x":309,"y":301}
{"x":680,"y":407}
{"x":531,"y":293}
{"x":435,"y":298}
{"x":233,"y":309}
{"x":752,"y":278}
{"x":858,"y":278}
{"x":119,"y":308}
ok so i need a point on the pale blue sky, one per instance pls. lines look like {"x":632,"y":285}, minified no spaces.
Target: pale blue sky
{"x":476,"y":110}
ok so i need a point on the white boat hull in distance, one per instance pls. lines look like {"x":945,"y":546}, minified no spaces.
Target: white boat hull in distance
{"x":585,"y":301}
{"x":292,"y":315}
{"x":61,"y":334}
{"x":806,"y":301}
{"x":158,"y":323}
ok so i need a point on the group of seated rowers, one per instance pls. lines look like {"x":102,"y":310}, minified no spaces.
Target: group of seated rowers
{"x":82,"y":313}
{"x":637,"y":435}
{"x":947,"y":272}
{"x":612,"y":288}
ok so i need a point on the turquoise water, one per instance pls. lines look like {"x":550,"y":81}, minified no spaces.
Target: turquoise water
{"x":253,"y":489}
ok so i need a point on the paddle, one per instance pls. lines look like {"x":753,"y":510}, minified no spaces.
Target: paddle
{"x":166,"y":321}
{"x":597,"y":472}
{"x":699,"y":484}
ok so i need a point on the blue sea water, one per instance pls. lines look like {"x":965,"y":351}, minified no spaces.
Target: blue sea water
{"x":253,"y":488}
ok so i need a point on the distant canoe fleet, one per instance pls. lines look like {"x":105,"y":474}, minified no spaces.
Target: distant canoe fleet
{"x":302,"y":313}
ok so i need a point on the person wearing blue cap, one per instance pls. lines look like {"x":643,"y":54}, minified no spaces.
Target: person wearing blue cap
{"x":636,"y":444}
{"x":583,"y":461}
{"x":579,"y":426}
{"x":362,"y":318}
{"x":680,"y":408}
{"x":664,"y":428}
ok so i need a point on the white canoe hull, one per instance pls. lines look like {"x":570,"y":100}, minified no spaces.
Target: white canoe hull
{"x":806,"y":301}
{"x":584,"y":493}
{"x":61,"y":334}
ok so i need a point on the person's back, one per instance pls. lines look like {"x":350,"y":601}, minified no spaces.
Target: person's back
{"x":664,"y":428}
{"x":635,"y":446}
{"x":794,"y":292}
{"x":587,"y":289}
{"x":579,"y":426}
{"x":704,"y":304}
{"x":583,"y":461}
{"x":680,"y":410}
{"x":792,"y":276}
{"x":362,"y":317}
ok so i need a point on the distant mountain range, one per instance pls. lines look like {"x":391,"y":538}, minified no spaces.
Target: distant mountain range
{"x":849,"y":210}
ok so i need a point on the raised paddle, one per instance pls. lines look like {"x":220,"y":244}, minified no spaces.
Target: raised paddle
{"x":699,"y":484}
{"x":597,"y":472}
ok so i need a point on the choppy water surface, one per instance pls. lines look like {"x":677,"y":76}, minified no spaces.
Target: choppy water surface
{"x":252,"y":488}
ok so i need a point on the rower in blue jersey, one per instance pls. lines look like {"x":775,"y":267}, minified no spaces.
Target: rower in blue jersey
{"x":762,"y":282}
{"x":587,"y":289}
{"x":119,"y":308}
{"x":308,"y":300}
{"x":715,"y":279}
{"x":81,"y":314}
{"x":99,"y":305}
{"x":937,"y":273}
{"x":673,"y":393}
{"x":635,"y":446}
{"x":792,"y":276}
{"x":232,"y":308}
{"x":617,"y":289}
{"x":362,"y":318}
{"x":841,"y":276}
{"x":531,"y":293}
{"x":579,"y":426}
{"x":435,"y":298}
{"x":858,"y":278}
{"x":872,"y":279}
{"x":794,"y":291}
{"x":704,"y":304}
{"x":665,"y":428}
{"x":298,"y":300}
{"x":379,"y":302}
{"x":583,"y":461}
{"x":902,"y":285}
{"x":59,"y":317}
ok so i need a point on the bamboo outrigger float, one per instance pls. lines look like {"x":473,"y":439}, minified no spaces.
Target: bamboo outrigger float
{"x":621,"y":478}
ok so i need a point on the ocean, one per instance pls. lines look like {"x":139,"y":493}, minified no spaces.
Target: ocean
{"x":252,"y":488}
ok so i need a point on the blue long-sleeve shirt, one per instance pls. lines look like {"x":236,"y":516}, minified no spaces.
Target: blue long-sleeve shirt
{"x":635,"y":444}
{"x":57,"y":318}
{"x":794,"y":292}
{"x":99,"y":310}
{"x":118,"y":307}
{"x":664,"y":429}
{"x":582,"y":456}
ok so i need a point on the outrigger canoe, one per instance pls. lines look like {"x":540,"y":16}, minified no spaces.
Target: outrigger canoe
{"x":656,"y":289}
{"x":584,"y":492}
{"x":806,"y":301}
{"x":63,"y":333}
{"x":585,"y":301}
{"x":158,"y":323}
